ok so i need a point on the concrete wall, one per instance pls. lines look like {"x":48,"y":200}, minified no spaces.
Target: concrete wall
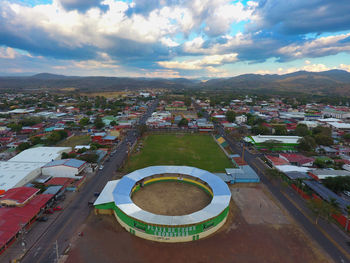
{"x":168,"y":239}
{"x":60,"y":171}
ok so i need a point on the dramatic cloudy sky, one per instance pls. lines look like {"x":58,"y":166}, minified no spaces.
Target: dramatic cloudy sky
{"x":173,"y":38}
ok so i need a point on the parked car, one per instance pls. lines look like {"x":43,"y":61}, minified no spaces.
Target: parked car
{"x":347,"y":193}
{"x":96,"y":194}
{"x":57,"y":208}
{"x":43,"y":219}
{"x":101,"y":167}
{"x":49,"y":211}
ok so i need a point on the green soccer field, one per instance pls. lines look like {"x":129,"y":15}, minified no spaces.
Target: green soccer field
{"x":200,"y":151}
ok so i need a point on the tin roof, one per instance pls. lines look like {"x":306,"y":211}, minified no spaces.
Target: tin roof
{"x":66,"y":162}
{"x":220,"y":201}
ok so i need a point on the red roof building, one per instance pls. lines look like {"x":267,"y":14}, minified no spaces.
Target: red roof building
{"x":273,"y":160}
{"x":12,"y":219}
{"x":64,"y":181}
{"x":18,"y":196}
{"x":297,"y":159}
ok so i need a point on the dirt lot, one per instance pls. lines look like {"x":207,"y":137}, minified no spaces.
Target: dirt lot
{"x":256,"y":207}
{"x":171,"y":198}
{"x":105,"y":240}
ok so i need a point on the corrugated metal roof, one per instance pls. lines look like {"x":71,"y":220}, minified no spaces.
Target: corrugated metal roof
{"x":327,"y":194}
{"x":66,"y":162}
{"x":40,"y":154}
{"x":122,"y":199}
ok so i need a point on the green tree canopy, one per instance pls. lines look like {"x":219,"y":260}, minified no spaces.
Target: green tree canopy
{"x":302,"y":130}
{"x":230,"y":116}
{"x":307,"y":143}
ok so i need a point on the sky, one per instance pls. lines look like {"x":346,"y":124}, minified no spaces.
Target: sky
{"x":173,"y":38}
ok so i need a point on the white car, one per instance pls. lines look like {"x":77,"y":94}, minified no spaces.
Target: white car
{"x":101,"y":167}
{"x":347,"y":193}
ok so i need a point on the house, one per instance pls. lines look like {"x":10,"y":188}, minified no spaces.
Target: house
{"x":273,"y":161}
{"x":241,"y":119}
{"x":297,"y":159}
{"x":320,"y":174}
{"x":18,"y":196}
{"x":64,"y":168}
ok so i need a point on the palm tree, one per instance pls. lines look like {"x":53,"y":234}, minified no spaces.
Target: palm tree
{"x":333,"y":207}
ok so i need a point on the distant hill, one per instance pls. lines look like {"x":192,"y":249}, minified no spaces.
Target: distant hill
{"x":46,"y":76}
{"x":332,"y":82}
{"x":335,"y":82}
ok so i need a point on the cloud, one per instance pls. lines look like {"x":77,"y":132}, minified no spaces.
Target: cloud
{"x":302,"y":17}
{"x":344,"y":67}
{"x":81,"y":5}
{"x":197,"y":64}
{"x":323,"y":46}
{"x":7,"y":53}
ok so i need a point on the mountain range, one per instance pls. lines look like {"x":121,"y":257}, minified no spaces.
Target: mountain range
{"x":332,"y":82}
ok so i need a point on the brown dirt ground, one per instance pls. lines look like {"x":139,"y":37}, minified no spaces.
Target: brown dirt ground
{"x":171,"y":198}
{"x":105,"y":240}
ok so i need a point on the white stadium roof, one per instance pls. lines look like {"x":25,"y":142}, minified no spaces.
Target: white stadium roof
{"x":221,"y":196}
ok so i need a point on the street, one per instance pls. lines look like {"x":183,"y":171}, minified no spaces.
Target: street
{"x":73,"y":217}
{"x":331,"y":239}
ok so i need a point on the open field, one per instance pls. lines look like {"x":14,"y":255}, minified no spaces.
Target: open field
{"x":171,"y":198}
{"x":200,"y":151}
{"x":76,"y":140}
{"x":237,"y":241}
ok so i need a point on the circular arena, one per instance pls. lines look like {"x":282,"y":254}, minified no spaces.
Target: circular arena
{"x":116,"y":198}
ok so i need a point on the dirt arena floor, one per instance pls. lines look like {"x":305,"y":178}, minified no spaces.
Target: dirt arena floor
{"x":239,"y":240}
{"x":171,"y":198}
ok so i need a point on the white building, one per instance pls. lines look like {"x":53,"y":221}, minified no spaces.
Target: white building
{"x":26,"y":166}
{"x":64,"y":168}
{"x":241,"y":119}
{"x":16,"y":174}
{"x":41,"y":154}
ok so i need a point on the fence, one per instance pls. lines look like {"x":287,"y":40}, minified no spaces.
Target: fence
{"x":301,"y":192}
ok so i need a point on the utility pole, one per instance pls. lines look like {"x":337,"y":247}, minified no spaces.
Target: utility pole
{"x":22,"y":233}
{"x":56,"y":248}
{"x":243,"y":153}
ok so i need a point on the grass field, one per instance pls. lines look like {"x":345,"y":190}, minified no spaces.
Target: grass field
{"x":193,"y":150}
{"x":76,"y":140}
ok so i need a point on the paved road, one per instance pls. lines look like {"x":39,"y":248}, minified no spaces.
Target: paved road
{"x":295,"y":206}
{"x":74,"y":216}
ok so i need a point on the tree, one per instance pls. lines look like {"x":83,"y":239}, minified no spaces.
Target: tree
{"x":35,"y":140}
{"x":281,"y":130}
{"x":307,"y":144}
{"x":142,"y":129}
{"x":16,"y":127}
{"x":200,"y":114}
{"x":323,"y":139}
{"x":113,"y":123}
{"x":188,"y":101}
{"x":23,"y":146}
{"x":260,"y":129}
{"x":84,"y":121}
{"x":183,"y":123}
{"x":230,"y":116}
{"x":302,"y":130}
{"x":89,"y":157}
{"x":99,"y":124}
{"x":319,"y":208}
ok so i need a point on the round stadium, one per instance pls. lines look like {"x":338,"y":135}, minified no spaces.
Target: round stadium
{"x":167,"y":203}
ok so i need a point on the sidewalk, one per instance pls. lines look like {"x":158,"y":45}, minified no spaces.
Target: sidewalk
{"x":16,"y":250}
